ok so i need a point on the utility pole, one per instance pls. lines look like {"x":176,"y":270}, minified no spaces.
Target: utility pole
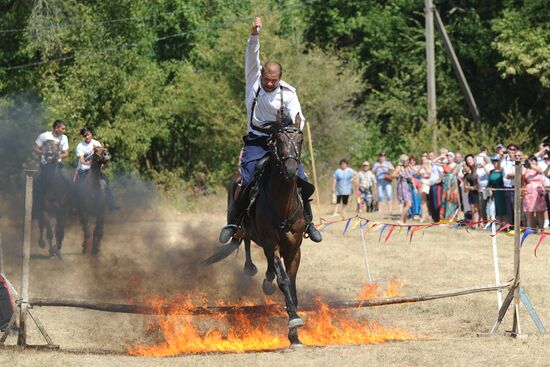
{"x":430,"y":62}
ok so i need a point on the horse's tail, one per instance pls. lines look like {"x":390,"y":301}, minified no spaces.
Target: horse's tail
{"x":223,"y":252}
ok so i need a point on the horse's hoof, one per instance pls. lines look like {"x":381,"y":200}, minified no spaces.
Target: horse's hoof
{"x":268,"y":287}
{"x":296,"y":322}
{"x":250,"y":270}
{"x":57,"y":253}
{"x":297,"y":346}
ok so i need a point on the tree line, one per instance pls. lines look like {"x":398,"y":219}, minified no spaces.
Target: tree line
{"x":161,"y":82}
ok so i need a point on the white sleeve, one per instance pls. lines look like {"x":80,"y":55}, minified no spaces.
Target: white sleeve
{"x":252,"y":62}
{"x":64,"y":143}
{"x":79,"y":150}
{"x":294,"y":108}
{"x":40,"y":140}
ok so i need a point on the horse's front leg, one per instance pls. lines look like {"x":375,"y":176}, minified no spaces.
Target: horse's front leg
{"x":292,"y":263}
{"x":267,"y":286}
{"x":98,"y":233}
{"x":41,"y":225}
{"x":59,"y":232}
{"x":85,"y":231}
{"x":284,"y":285}
{"x":249,"y":267}
{"x":49,"y":233}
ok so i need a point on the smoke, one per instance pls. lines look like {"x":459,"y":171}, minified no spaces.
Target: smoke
{"x":148,"y":248}
{"x":20,"y":123}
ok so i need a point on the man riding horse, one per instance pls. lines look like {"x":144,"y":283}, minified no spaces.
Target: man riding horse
{"x":57,"y":135}
{"x":268,"y":100}
{"x":85,"y":151}
{"x":41,"y":149}
{"x":51,"y":187}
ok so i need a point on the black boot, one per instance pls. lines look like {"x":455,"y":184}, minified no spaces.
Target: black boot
{"x":234,"y":214}
{"x":311,"y":231}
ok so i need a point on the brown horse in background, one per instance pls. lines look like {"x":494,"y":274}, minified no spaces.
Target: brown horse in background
{"x":51,"y":198}
{"x":91,"y":200}
{"x":275,"y":221}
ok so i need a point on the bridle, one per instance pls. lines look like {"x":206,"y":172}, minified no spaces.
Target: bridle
{"x":291,"y":133}
{"x":101,"y":156}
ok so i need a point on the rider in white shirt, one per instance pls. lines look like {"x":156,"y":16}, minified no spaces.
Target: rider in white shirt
{"x":85,"y":151}
{"x":58,"y":135}
{"x":268,"y":100}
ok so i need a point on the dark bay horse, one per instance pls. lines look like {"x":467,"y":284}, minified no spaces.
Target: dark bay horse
{"x":275,"y":221}
{"x":51,"y":198}
{"x":91,"y":200}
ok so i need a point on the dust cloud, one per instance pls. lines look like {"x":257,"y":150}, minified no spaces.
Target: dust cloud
{"x":148,"y":247}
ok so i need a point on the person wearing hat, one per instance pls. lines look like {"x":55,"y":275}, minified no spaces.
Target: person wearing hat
{"x":84,"y":152}
{"x":496,"y":205}
{"x":484,"y":167}
{"x":367,"y":188}
{"x":383,"y":170}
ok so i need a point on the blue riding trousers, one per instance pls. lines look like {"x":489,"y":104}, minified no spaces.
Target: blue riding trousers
{"x":255,"y":148}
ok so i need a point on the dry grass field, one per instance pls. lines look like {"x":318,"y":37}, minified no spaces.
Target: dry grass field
{"x":154,"y":254}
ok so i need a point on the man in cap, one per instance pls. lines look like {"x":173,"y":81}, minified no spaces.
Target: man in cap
{"x":367,"y":187}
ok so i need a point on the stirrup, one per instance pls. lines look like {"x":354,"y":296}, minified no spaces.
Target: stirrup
{"x":317,"y":236}
{"x":228,"y":232}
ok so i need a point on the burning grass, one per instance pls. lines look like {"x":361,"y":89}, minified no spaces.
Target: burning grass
{"x":242,"y":332}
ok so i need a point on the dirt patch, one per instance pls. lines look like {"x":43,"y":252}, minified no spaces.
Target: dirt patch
{"x":159,"y":255}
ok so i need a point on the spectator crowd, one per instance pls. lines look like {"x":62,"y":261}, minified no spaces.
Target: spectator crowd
{"x":451,"y":186}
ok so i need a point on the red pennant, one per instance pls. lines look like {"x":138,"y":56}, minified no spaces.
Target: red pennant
{"x":542,"y":237}
{"x":389,"y":233}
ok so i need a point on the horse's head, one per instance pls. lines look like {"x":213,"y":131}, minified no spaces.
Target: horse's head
{"x":101,"y":156}
{"x":50,"y":151}
{"x":286,"y":147}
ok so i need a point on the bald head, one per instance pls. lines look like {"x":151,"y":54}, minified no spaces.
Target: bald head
{"x":271,"y":75}
{"x":273,"y":67}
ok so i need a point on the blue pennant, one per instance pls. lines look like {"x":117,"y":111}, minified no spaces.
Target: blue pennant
{"x":527,"y":232}
{"x":381,"y":232}
{"x":347,"y":225}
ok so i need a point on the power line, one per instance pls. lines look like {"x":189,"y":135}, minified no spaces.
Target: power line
{"x":108,"y":21}
{"x":92,"y":53}
{"x":130,"y":45}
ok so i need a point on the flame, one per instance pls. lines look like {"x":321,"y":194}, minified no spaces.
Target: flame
{"x":373,"y":291}
{"x":184,"y":333}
